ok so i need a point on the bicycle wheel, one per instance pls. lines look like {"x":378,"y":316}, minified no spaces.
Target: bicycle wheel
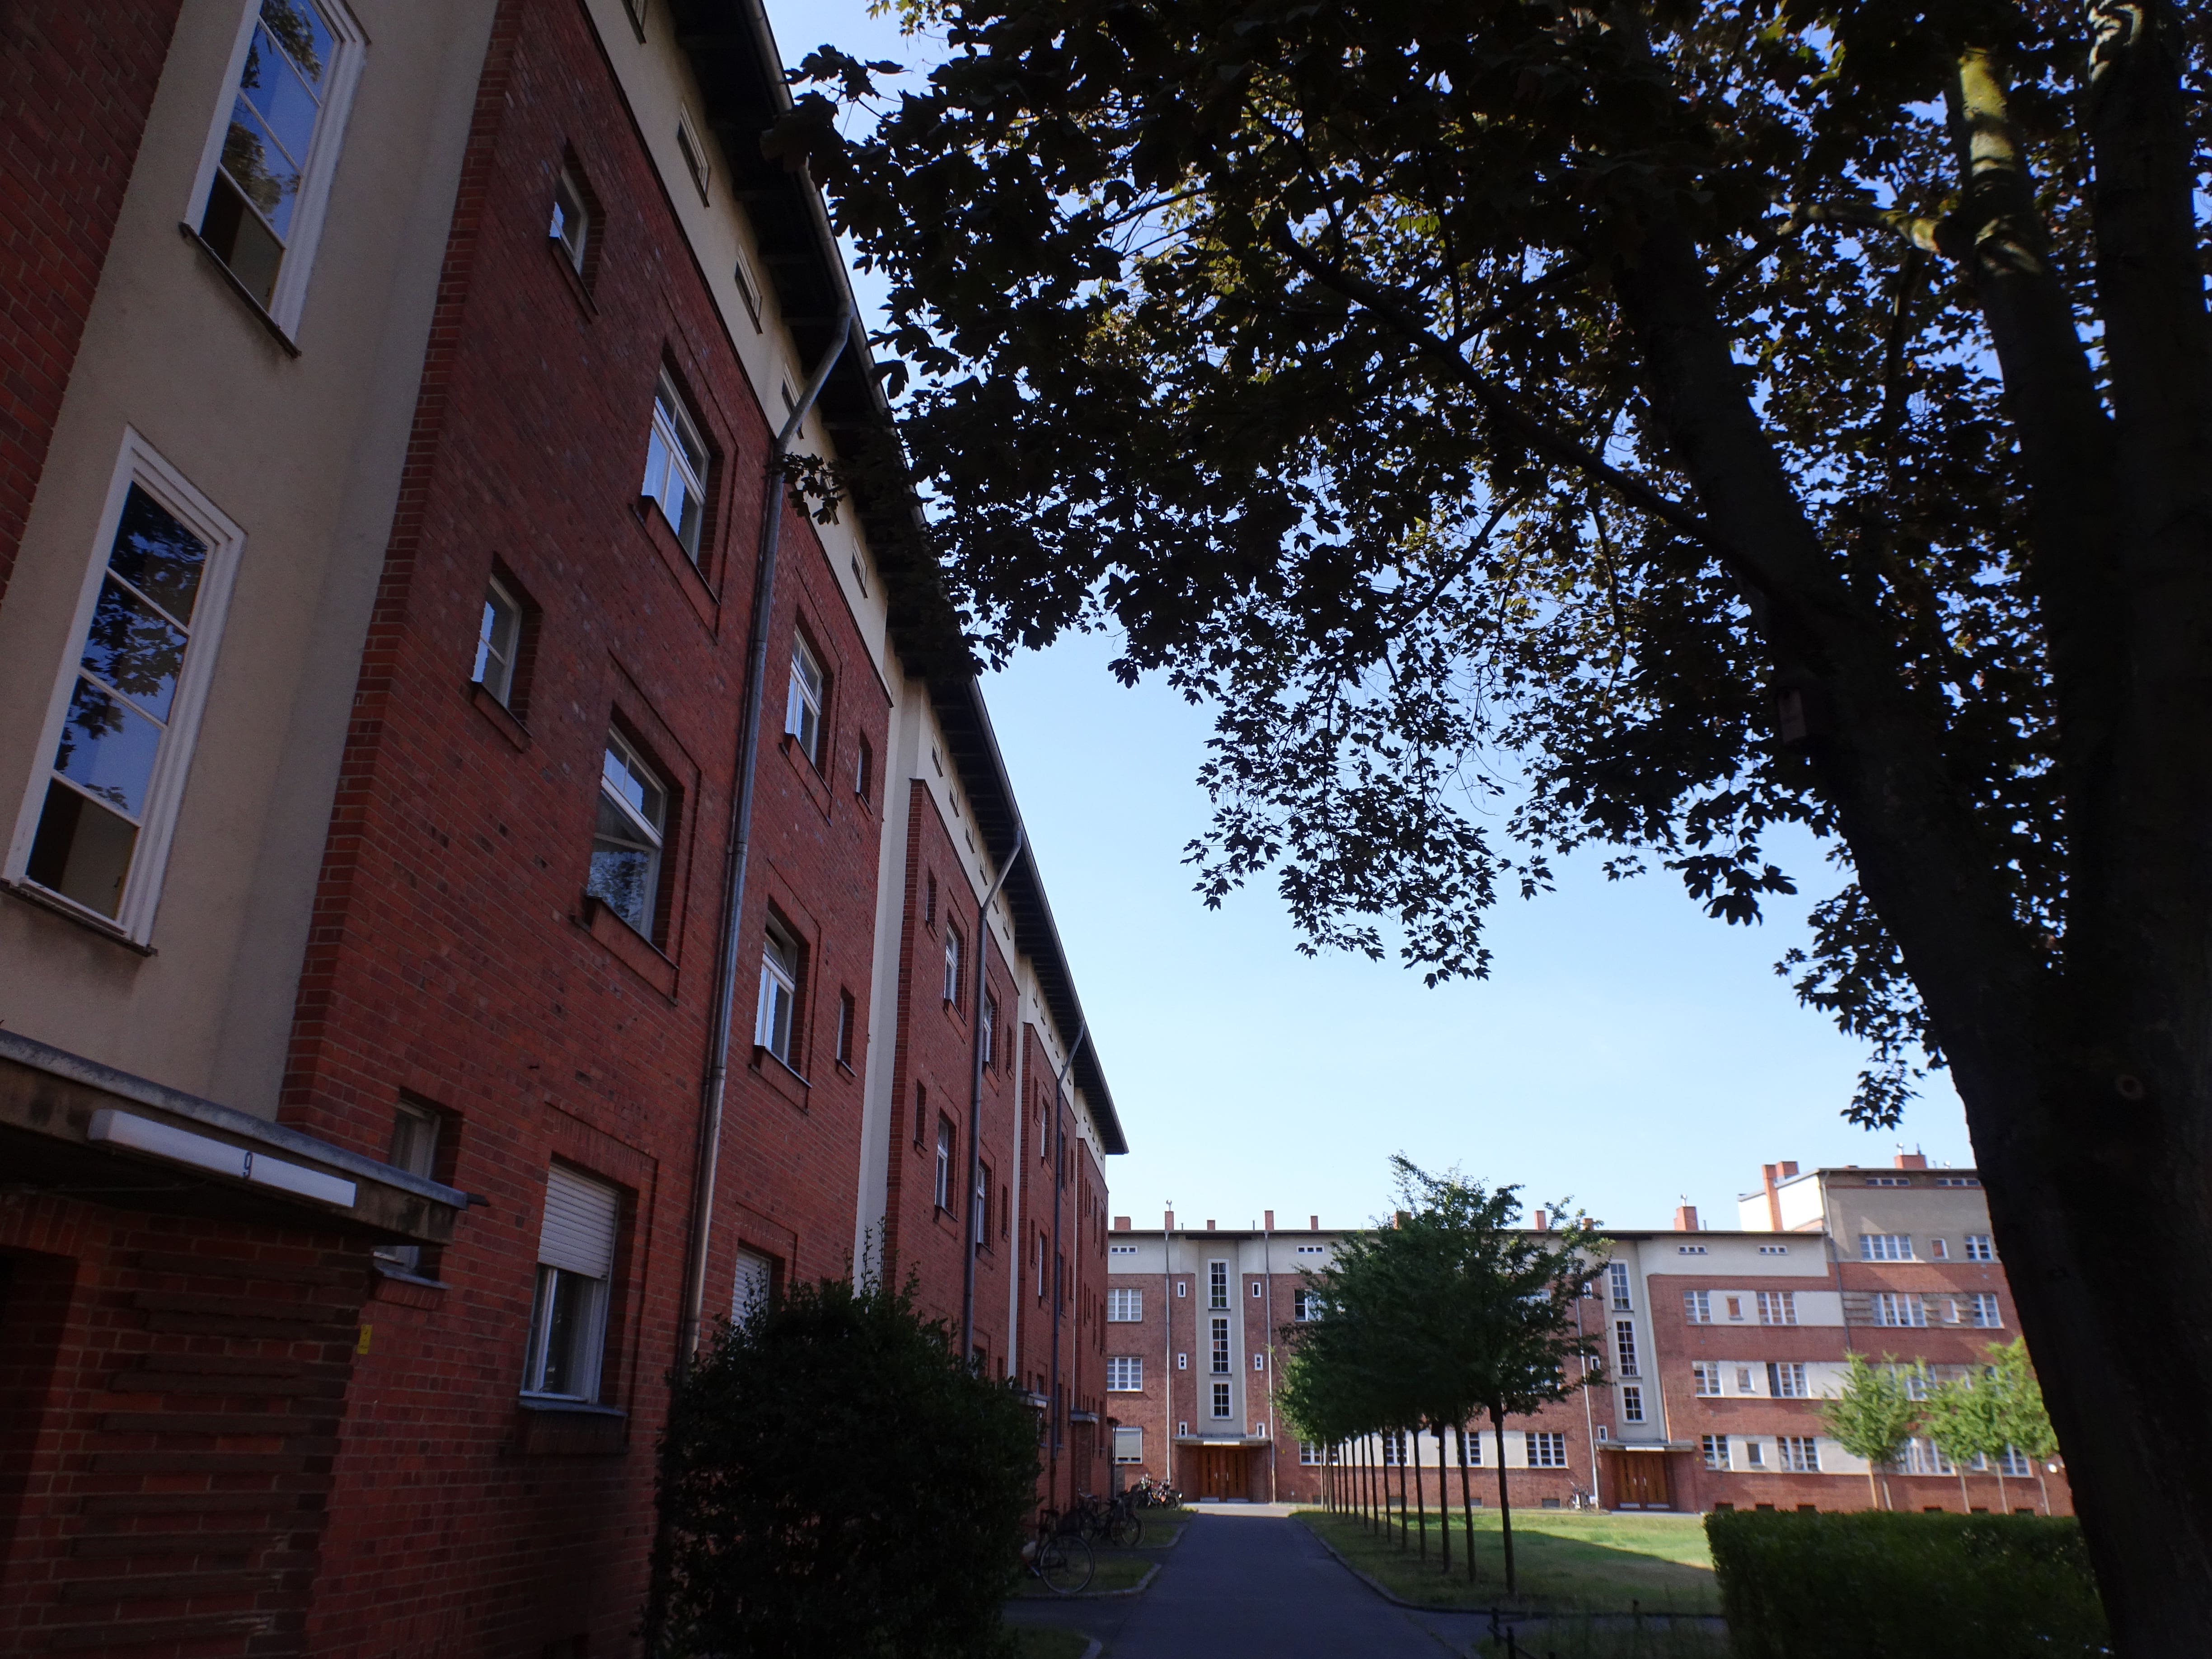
{"x":1126,"y":1529}
{"x":1064,"y":1561}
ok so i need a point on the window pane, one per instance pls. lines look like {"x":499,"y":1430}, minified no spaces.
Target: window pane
{"x":279,"y":96}
{"x":157,"y":556}
{"x":81,"y":851}
{"x":306,"y":37}
{"x":135,"y":648}
{"x":625,"y":774}
{"x":107,"y":748}
{"x":568,"y":1331}
{"x":625,"y":866}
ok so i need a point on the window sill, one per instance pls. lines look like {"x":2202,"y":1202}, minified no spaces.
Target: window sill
{"x":771,"y":1069}
{"x":703,"y":598}
{"x":55,"y":904}
{"x":810,"y":773}
{"x":500,"y":715}
{"x":230,"y":281}
{"x":408,"y":1290}
{"x":628,"y":946}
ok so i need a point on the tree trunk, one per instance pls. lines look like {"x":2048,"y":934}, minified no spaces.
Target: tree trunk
{"x":2044,"y":1484}
{"x":1420,"y":1501}
{"x":1404,"y":1502}
{"x":1443,"y":1496}
{"x":1466,"y":1502}
{"x":1965,"y":1504}
{"x":1504,"y":1501}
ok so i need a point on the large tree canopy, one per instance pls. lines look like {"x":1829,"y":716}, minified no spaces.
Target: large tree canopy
{"x":1668,"y":423}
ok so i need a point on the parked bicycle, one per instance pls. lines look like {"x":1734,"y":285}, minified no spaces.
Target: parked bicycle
{"x":1060,"y":1556}
{"x":1106,"y":1520}
{"x":1150,"y":1490}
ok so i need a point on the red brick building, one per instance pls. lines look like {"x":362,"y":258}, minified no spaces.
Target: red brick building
{"x":455,"y":1014}
{"x":1718,"y":1348}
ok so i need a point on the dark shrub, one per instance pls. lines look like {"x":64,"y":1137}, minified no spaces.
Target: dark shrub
{"x":834,"y":1481}
{"x":1873,"y":1585}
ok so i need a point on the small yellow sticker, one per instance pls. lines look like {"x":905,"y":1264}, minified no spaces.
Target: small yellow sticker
{"x":361,"y":1345}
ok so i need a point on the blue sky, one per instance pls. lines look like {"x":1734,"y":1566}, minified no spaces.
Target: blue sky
{"x":1625,"y":1051}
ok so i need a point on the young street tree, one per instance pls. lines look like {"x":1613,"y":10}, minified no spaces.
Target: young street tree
{"x":1871,"y":1416}
{"x":1452,"y":1313}
{"x":2027,"y":1422}
{"x":1688,"y":416}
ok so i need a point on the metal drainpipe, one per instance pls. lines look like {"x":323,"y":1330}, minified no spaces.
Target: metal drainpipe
{"x":716,"y":1085}
{"x":1267,"y":1300}
{"x":976,"y":1223}
{"x":1167,"y":1354}
{"x":1058,"y":1154}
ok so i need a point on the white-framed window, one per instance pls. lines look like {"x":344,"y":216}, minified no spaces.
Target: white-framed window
{"x":1743,"y":1383}
{"x":575,"y":1259}
{"x":752,"y":1281}
{"x":1182,"y":1362}
{"x":1548,"y":1448}
{"x":943,"y":1163}
{"x":1182,"y":1287}
{"x":1624,"y":1346}
{"x":1124,"y":1307}
{"x":1984,"y":1310}
{"x":571,"y":225}
{"x":1216,"y":1284}
{"x":1800,"y":1454}
{"x":1221,"y":1400}
{"x":2011,"y":1460}
{"x":262,"y":189}
{"x":1704,"y":1377}
{"x":1310,"y":1453}
{"x":1889,"y":1180}
{"x":1632,"y":1403}
{"x":1938,"y":1251}
{"x":1394,"y":1448}
{"x":1785,"y":1380}
{"x":1755,"y":1454}
{"x":1924,"y":1456}
{"x":1220,"y":1346}
{"x":414,"y":1149}
{"x":1715,"y":1447}
{"x":1980,"y":1247}
{"x":1128,"y":1444}
{"x":1125,"y":1373}
{"x":499,"y":642}
{"x":1899,"y":1308}
{"x":1774,"y":1249}
{"x":1957,"y":1180}
{"x":953,"y":964}
{"x":1691,"y":1249}
{"x":1313,"y":1249}
{"x":802,"y":703}
{"x":676,"y":464}
{"x":1778,"y":1307}
{"x":1256,"y":1290}
{"x":1697,"y":1307}
{"x":848,"y":1024}
{"x":1121,"y":1249}
{"x":1306,"y":1305}
{"x":1616,"y":1274}
{"x":776,"y":1018}
{"x":693,"y":152}
{"x":626,"y":842}
{"x":979,"y":1203}
{"x":1259,"y":1361}
{"x":1885,"y":1247}
{"x":96,"y":822}
{"x":990,"y":1032}
{"x":864,"y":769}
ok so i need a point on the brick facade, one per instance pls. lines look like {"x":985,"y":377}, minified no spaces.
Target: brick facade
{"x":75,"y":86}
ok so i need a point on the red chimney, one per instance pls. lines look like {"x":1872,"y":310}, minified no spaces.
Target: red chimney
{"x":1209,"y":1226}
{"x":1170,"y":1220}
{"x":1685,"y":1218}
{"x":1911,"y":1160}
{"x":1789,"y":1170}
{"x":1121,"y":1223}
{"x":1313,"y":1223}
{"x":1270,"y":1215}
{"x":1767,"y":1172}
{"x":1543,"y":1222}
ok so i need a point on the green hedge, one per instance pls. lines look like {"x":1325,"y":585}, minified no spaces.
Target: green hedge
{"x":1873,"y":1585}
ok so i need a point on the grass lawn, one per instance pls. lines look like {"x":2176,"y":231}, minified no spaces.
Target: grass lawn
{"x":1567,"y":1561}
{"x":1579,"y":1636}
{"x":1037,"y":1642}
{"x":1114,"y":1569}
{"x":1163,"y":1526}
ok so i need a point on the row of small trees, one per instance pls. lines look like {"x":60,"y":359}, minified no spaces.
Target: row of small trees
{"x":1881,"y":1406}
{"x":1450,"y":1316}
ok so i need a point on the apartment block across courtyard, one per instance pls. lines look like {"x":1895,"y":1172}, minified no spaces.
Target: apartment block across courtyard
{"x":1718,"y":1346}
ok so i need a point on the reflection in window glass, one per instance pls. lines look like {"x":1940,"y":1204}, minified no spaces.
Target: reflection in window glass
{"x":676,"y":465}
{"x":626,"y":844}
{"x":120,"y":708}
{"x":498,"y":637}
{"x":279,"y":104}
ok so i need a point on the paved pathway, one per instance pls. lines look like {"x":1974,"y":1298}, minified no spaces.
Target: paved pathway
{"x":1247,"y":1580}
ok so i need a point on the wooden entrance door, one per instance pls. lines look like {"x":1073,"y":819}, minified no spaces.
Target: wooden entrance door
{"x":1221,"y":1472}
{"x":1643,"y":1480}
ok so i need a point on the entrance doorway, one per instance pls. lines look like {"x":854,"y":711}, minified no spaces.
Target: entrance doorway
{"x":1221,"y":1473}
{"x":1640,"y":1481}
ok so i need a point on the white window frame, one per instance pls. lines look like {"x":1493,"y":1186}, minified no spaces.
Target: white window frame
{"x":1716,"y":1450}
{"x":953,"y":952}
{"x":569,"y":203}
{"x":1544,"y":1449}
{"x":593,"y":1337}
{"x":1631,"y":1402}
{"x":944,"y":1181}
{"x":1705,"y":1378}
{"x":1886,"y":1247}
{"x":802,"y":702}
{"x":674,"y":425}
{"x":1697,"y":1307}
{"x":495,"y":662}
{"x":1309,"y":1453}
{"x":656,"y":835}
{"x":350,"y":51}
{"x":1896,"y":1309}
{"x":1980,"y":1247}
{"x":1218,"y":1347}
{"x":1124,"y":1306}
{"x":691,"y":150}
{"x":1623,"y":1347}
{"x":1800,"y":1453}
{"x":1989,"y":1313}
{"x":1786,"y":1379}
{"x":1778,"y":1307}
{"x":775,"y":1022}
{"x":1128,"y":1443}
{"x":139,"y":463}
{"x":1617,"y":1278}
{"x":1224,"y":1405}
{"x":1217,"y":1285}
{"x":1125,"y":1373}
